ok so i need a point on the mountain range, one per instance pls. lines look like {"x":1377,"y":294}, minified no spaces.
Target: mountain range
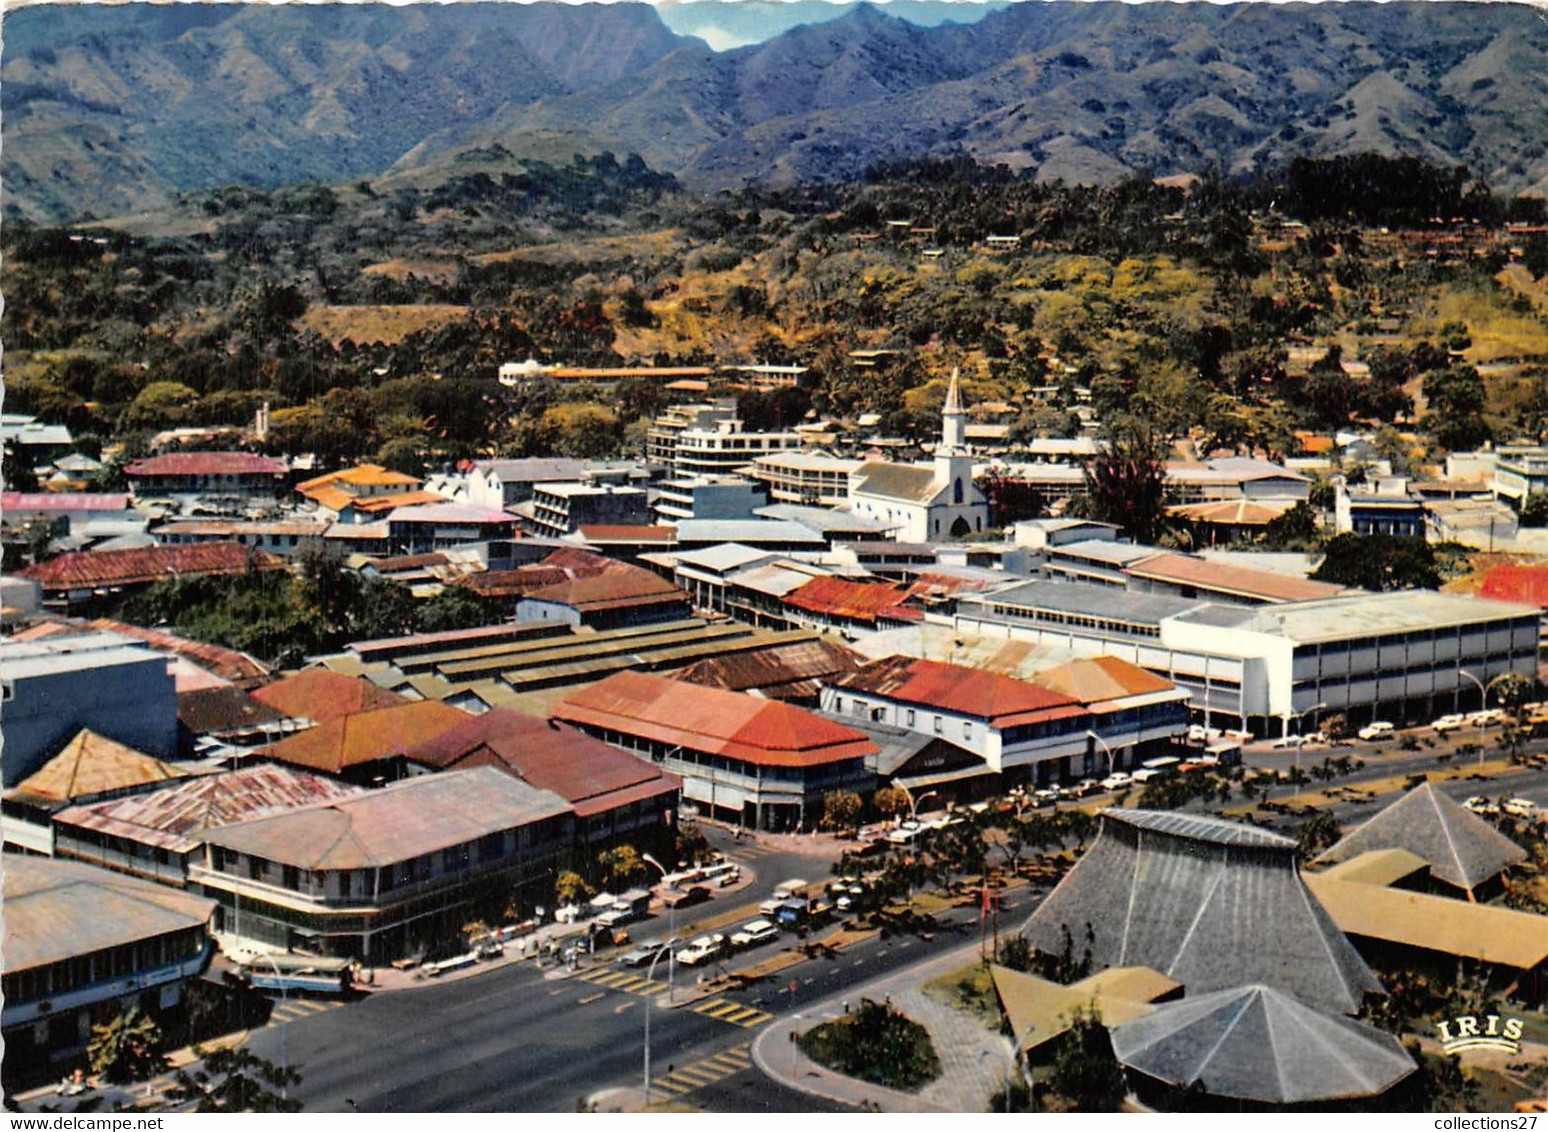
{"x":118,"y":108}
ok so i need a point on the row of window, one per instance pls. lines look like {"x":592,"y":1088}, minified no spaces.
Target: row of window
{"x":101,"y":966}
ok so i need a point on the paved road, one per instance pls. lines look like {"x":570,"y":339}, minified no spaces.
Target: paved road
{"x":513,"y":1040}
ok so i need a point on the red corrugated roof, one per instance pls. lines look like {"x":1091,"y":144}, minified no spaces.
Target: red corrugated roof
{"x":591,"y":775}
{"x":367,"y":736}
{"x":207,"y":464}
{"x":624,"y":532}
{"x":90,"y":569}
{"x":1527,"y":585}
{"x":241,"y":669}
{"x":761,"y":732}
{"x":619,"y":585}
{"x":999,"y":700}
{"x":319,"y":694}
{"x":859,"y":601}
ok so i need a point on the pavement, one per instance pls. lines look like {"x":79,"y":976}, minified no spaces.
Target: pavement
{"x":975,"y":1060}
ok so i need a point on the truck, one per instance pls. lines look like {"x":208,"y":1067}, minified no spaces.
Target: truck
{"x":799,"y":912}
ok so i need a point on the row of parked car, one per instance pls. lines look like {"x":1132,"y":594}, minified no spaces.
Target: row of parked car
{"x":705,"y":948}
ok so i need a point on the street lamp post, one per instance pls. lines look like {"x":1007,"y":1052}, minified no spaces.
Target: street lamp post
{"x":1106,"y":750}
{"x":671,"y":929}
{"x":1483,"y":689}
{"x":650,"y":973}
{"x":1295,"y":774}
{"x":913,"y":802}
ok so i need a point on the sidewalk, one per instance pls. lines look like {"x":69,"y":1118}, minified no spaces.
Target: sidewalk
{"x":975,"y":1060}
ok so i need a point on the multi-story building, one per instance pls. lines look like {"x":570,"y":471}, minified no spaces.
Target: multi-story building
{"x":557,"y":509}
{"x":1403,"y":655}
{"x":371,"y":875}
{"x":724,"y":447}
{"x":707,"y":497}
{"x":81,"y":944}
{"x":661,"y":437}
{"x":1520,"y":470}
{"x":759,"y":763}
{"x":804,"y":478}
{"x":110,"y":684}
{"x":1384,"y":507}
{"x":243,"y":475}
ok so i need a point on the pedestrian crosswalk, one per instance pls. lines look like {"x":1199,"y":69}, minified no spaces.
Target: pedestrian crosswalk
{"x":681,"y":1080}
{"x":746,"y":851}
{"x":294,"y":1009}
{"x":736,"y":1013}
{"x":621,"y":981}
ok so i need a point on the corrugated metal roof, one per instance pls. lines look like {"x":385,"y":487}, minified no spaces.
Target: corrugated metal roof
{"x":94,"y":569}
{"x":396,"y":823}
{"x":56,"y":910}
{"x":763,"y":732}
{"x":911,"y":483}
{"x":207,"y":464}
{"x":1266,"y":585}
{"x":1527,"y":585}
{"x":856,"y":601}
{"x":1462,"y":848}
{"x":1099,"y":679}
{"x":1207,"y":902}
{"x":773,"y":666}
{"x":215,"y":711}
{"x":1257,"y":1043}
{"x":175,"y":818}
{"x":66,"y":501}
{"x":999,"y":700}
{"x":366,"y":736}
{"x":321,"y":695}
{"x":91,"y":765}
{"x":237,"y":667}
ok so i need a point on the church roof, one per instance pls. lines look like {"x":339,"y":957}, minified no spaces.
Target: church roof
{"x":910,"y":483}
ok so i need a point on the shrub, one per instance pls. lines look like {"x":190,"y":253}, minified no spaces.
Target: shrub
{"x":877,"y":1044}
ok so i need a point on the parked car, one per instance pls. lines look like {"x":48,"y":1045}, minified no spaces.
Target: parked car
{"x":1449,"y":722}
{"x":641,"y":954}
{"x":1381,"y":729}
{"x":1520,"y":808}
{"x":1117,"y":781}
{"x":702,"y":950}
{"x":1047,"y":796}
{"x":684,"y":897}
{"x":1488,"y":717}
{"x":1480,"y":805}
{"x":754,"y":933}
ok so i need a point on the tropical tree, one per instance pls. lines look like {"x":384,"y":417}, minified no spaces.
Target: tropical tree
{"x":236,"y":1080}
{"x":571,"y":888}
{"x":1319,"y":832}
{"x":126,"y":1048}
{"x":841,"y":809}
{"x":891,"y":801}
{"x":1085,"y":1071}
{"x":1126,"y":483}
{"x":620,"y":865}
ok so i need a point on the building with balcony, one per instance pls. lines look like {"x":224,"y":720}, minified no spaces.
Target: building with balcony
{"x":373,"y":875}
{"x":1520,"y":470}
{"x":182,"y":475}
{"x":661,"y":437}
{"x":757,"y":763}
{"x":804,"y":478}
{"x":707,"y":497}
{"x":82,"y":945}
{"x":558,"y":509}
{"x":723,"y":447}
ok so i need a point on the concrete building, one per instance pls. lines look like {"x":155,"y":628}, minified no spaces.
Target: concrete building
{"x":1383,"y":507}
{"x":927,"y":501}
{"x":1520,"y":470}
{"x":371,"y":876}
{"x":754,"y":762}
{"x":417,"y":530}
{"x":82,"y":945}
{"x":707,"y":497}
{"x":1402,"y":655}
{"x":104,"y":682}
{"x":558,"y":509}
{"x":804,"y":478}
{"x":661,"y":437}
{"x":283,"y":537}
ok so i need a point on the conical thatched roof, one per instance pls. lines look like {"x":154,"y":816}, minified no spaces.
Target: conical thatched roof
{"x":1210,"y":903}
{"x":1259,"y":1044}
{"x":1462,"y":848}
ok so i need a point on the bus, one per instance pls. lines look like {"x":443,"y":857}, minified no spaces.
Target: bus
{"x":291,"y":973}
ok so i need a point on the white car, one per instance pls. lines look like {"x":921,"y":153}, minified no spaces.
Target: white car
{"x":702,"y":950}
{"x":1478,"y":804}
{"x":1116,"y":781}
{"x":1489,"y":717}
{"x":752,"y":934}
{"x":1291,"y":742}
{"x":1520,"y":808}
{"x":1047,"y":796}
{"x":1381,"y":729}
{"x":1449,"y":722}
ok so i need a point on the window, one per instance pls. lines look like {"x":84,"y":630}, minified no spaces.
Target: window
{"x":345,"y":878}
{"x":909,"y":716}
{"x":938,"y":725}
{"x":967,"y":730}
{"x":838,"y":704}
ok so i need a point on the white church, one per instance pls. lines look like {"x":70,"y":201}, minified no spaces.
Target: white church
{"x":927,"y":502}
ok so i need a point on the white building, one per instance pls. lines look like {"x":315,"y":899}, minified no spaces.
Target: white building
{"x":927,"y":501}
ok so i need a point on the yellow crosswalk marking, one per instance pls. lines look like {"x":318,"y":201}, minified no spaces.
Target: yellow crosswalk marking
{"x":672,"y":1087}
{"x":726,"y":1010}
{"x":741,"y":1015}
{"x":595,"y":975}
{"x":697,"y":1074}
{"x":709,"y":1004}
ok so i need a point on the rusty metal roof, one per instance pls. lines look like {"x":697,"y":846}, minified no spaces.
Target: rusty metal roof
{"x":367,"y":736}
{"x":93,"y":569}
{"x":207,"y":464}
{"x":91,"y":765}
{"x":320,"y":695}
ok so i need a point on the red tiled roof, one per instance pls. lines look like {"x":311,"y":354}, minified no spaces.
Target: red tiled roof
{"x":859,"y":601}
{"x":738,"y":726}
{"x":1182,"y":570}
{"x":12,"y":501}
{"x":207,"y":464}
{"x":367,"y":736}
{"x":999,"y":700}
{"x":320,"y":695}
{"x":1527,"y":585}
{"x":90,"y":569}
{"x":1099,"y":679}
{"x":237,"y":667}
{"x":508,"y":583}
{"x":591,"y":775}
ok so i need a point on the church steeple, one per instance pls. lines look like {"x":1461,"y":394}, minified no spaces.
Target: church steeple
{"x":953,"y":421}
